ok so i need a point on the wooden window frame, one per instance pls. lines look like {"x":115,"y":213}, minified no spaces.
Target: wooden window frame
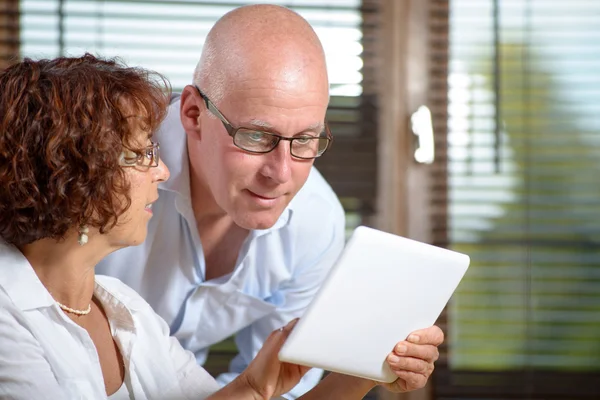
{"x":9,"y":32}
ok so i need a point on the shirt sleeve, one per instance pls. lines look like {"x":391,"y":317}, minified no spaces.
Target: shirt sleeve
{"x":310,"y":272}
{"x":195,"y":381}
{"x":24,"y":371}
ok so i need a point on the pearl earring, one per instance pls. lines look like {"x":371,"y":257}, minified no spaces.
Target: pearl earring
{"x":83,"y":237}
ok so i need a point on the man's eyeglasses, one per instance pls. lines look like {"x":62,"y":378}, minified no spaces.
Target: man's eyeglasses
{"x":148,"y":157}
{"x":304,"y":146}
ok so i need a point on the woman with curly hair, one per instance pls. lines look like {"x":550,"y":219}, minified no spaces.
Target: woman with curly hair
{"x":78,"y":175}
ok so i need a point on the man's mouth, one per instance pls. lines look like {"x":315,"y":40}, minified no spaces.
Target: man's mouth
{"x":264,"y":196}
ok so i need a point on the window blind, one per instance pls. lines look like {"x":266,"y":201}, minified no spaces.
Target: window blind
{"x":9,"y":31}
{"x":167,"y":36}
{"x":518,"y":191}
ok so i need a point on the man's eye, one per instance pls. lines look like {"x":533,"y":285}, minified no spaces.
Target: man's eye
{"x":304,"y":139}
{"x":256,"y":136}
{"x":149,"y":154}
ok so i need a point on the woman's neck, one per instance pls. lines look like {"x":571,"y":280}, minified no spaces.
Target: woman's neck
{"x":65,"y":268}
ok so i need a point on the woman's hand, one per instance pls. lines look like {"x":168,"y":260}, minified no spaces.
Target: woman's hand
{"x":266,"y":375}
{"x":412,"y":360}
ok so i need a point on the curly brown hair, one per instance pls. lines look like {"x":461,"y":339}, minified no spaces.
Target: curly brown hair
{"x":63,"y":125}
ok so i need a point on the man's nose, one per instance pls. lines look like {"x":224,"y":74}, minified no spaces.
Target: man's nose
{"x":278,"y":163}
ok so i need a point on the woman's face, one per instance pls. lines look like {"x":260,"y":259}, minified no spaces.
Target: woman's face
{"x":143,"y":172}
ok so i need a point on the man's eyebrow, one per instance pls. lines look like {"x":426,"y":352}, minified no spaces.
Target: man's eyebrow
{"x":316,"y":127}
{"x":260,"y":124}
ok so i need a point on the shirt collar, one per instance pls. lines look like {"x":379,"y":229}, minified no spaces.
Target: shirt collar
{"x":115,"y":297}
{"x":175,"y":156}
{"x":27,"y":292}
{"x":20,"y":281}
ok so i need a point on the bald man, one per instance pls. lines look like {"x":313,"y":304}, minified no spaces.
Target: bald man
{"x":246,"y":230}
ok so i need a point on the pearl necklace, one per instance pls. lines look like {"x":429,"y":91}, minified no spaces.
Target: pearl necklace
{"x":74,"y":311}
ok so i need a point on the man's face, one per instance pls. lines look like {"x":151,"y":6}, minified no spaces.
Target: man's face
{"x":254,"y":189}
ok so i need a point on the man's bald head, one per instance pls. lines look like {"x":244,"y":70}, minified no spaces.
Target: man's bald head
{"x":258,"y":42}
{"x":264,"y":68}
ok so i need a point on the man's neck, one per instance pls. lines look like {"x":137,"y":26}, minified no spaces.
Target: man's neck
{"x":205,"y":207}
{"x":222,"y":242}
{"x":221,"y":238}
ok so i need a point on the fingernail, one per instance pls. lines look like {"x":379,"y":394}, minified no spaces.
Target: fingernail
{"x":401,"y":349}
{"x":291,"y":324}
{"x":414,"y":338}
{"x":393,"y":358}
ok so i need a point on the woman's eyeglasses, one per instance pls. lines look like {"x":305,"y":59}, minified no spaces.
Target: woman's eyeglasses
{"x":148,"y":157}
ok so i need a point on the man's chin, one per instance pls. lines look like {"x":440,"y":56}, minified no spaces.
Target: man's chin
{"x":257,"y":220}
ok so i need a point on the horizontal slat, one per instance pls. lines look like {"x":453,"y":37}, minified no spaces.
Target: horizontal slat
{"x":127,"y":27}
{"x":349,"y":167}
{"x":143,"y":33}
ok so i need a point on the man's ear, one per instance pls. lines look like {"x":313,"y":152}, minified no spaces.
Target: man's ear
{"x":191,"y":107}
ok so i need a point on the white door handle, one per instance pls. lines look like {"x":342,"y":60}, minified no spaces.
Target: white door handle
{"x":422,"y":127}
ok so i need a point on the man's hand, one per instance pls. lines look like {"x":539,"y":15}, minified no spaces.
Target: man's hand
{"x":412,"y":360}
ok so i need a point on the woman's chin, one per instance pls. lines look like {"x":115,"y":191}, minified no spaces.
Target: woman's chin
{"x":130,"y":240}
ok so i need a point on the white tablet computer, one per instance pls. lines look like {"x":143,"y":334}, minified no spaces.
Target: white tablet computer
{"x":382,"y":288}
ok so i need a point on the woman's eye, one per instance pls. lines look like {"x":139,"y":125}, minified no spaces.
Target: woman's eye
{"x":128,"y":157}
{"x":129,"y":161}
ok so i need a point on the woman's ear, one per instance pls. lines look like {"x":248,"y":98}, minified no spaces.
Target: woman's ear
{"x":191,"y":107}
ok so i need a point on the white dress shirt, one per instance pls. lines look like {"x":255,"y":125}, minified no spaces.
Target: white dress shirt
{"x":277,"y":273}
{"x":45,"y":355}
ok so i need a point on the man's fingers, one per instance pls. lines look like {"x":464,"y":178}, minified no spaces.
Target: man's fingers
{"x":410,"y":380}
{"x":410,"y":364}
{"x":424,"y":352}
{"x":412,"y":360}
{"x":432,"y":335}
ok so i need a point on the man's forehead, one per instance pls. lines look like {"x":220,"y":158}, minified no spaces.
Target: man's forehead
{"x":301,"y":85}
{"x":272,"y":106}
{"x":253,"y":96}
{"x":288,"y":93}
{"x":262,"y":124}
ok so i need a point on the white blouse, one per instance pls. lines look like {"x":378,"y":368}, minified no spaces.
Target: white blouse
{"x":121,"y":394}
{"x":45,"y":355}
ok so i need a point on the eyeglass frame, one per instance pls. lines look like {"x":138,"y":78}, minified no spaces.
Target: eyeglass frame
{"x":154,"y":161}
{"x":232,"y":131}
